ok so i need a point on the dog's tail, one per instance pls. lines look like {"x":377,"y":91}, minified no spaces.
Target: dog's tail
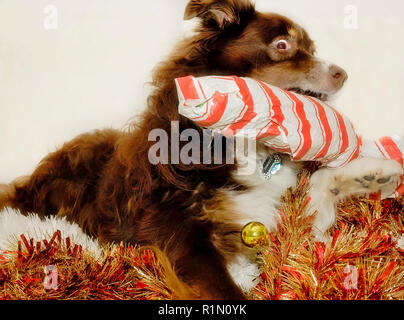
{"x":180,"y":290}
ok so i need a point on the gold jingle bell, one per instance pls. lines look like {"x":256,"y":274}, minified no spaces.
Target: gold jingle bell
{"x":255,"y":235}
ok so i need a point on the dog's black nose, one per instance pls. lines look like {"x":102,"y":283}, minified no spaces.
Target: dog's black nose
{"x":338,"y":75}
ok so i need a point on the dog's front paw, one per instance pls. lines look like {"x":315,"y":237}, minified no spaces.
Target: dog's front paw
{"x":367,"y":176}
{"x":360,"y":177}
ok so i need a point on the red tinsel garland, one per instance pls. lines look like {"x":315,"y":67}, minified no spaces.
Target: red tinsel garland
{"x":123,"y":272}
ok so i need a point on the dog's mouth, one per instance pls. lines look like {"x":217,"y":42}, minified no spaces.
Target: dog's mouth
{"x":318,"y":95}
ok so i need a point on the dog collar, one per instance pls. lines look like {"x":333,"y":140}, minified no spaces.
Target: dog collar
{"x":271,"y":166}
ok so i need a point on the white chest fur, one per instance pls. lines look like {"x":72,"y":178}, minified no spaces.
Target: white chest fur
{"x":259,"y":203}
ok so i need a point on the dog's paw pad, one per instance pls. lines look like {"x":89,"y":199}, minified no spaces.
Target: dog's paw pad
{"x":376,"y":182}
{"x":384,"y":180}
{"x":335,"y":191}
{"x":367,"y":176}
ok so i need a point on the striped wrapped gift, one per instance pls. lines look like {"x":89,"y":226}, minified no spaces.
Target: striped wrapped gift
{"x":306,"y":128}
{"x":388,"y":148}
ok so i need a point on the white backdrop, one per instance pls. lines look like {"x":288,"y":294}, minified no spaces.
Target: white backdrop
{"x":91,"y":71}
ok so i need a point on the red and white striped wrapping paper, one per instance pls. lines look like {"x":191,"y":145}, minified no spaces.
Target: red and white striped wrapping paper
{"x":304,"y":127}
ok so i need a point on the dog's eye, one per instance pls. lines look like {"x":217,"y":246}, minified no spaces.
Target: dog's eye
{"x":282,"y":48}
{"x":282,"y":45}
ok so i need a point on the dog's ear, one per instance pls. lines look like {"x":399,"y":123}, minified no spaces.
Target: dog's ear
{"x":221,"y":13}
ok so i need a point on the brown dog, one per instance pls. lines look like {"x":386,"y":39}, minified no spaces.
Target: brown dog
{"x":193,"y":212}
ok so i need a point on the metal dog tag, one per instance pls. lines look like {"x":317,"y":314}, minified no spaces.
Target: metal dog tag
{"x":271,"y":166}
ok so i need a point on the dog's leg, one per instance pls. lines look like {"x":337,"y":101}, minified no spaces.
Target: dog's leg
{"x":63,"y":178}
{"x":39,"y":193}
{"x":360,"y":177}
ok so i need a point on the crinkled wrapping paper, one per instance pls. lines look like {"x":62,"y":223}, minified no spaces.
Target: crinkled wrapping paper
{"x":306,"y":128}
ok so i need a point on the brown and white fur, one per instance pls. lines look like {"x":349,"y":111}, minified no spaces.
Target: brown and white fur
{"x":194,"y":212}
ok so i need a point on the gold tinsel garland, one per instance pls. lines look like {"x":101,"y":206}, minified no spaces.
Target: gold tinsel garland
{"x":361,"y":260}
